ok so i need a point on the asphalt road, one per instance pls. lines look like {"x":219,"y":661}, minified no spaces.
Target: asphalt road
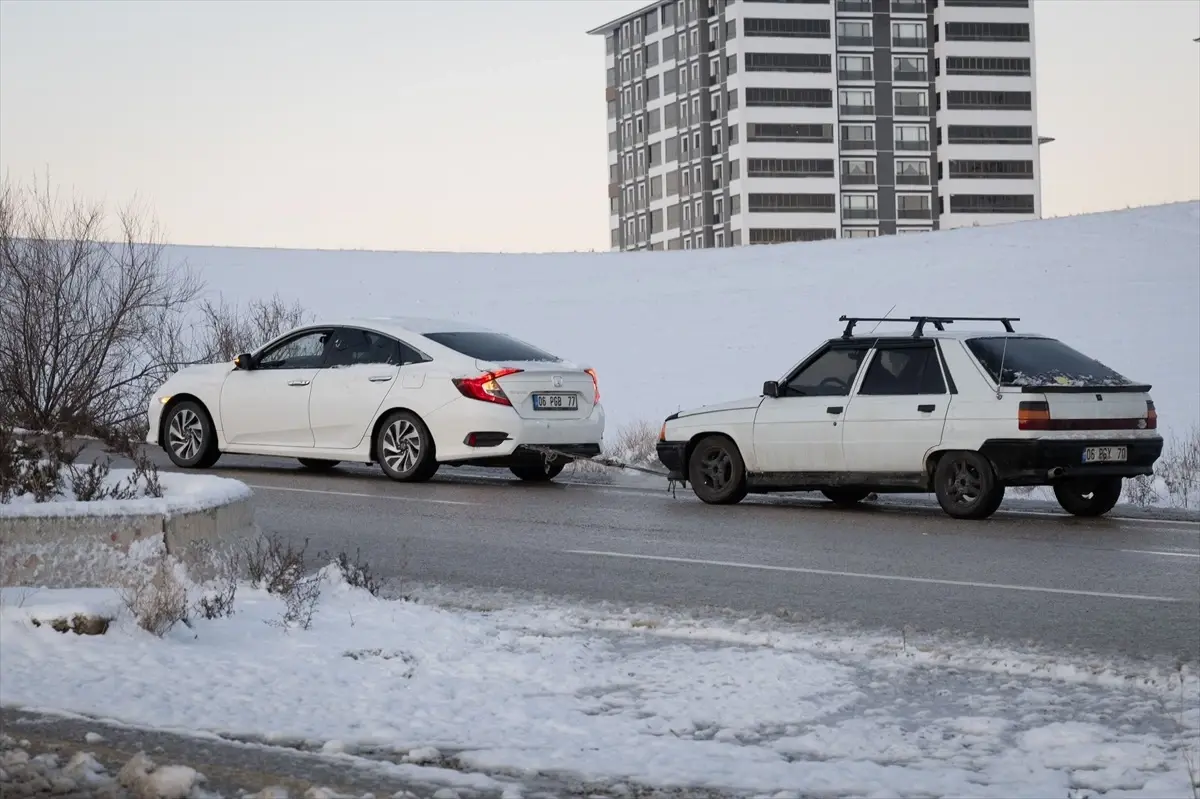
{"x":1105,"y":586}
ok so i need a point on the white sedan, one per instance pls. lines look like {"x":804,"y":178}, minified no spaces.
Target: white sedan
{"x":408,"y":394}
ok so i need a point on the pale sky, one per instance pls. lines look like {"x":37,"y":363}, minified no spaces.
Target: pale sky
{"x":471,"y":125}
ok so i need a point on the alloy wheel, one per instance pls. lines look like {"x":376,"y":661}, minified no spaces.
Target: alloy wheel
{"x":185,"y":434}
{"x":401,"y":446}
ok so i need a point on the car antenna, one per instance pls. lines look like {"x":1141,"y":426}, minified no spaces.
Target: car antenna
{"x":885,"y":316}
{"x":1000,"y":377}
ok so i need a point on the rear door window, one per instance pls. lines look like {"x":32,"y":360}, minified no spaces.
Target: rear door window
{"x":494,"y":347}
{"x":1040,"y":362}
{"x":903,"y":371}
{"x":351,"y":347}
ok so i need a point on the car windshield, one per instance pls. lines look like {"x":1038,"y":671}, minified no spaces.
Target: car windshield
{"x":1040,"y":362}
{"x":493,"y":347}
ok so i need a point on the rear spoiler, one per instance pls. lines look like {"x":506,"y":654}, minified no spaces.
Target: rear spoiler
{"x":1143,"y":388}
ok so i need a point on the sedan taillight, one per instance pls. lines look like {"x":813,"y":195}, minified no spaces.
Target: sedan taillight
{"x":485,"y":388}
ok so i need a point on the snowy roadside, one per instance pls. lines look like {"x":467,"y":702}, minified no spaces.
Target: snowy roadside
{"x":512,"y":693}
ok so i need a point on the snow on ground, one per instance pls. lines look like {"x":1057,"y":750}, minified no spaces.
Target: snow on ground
{"x":182,"y":493}
{"x":657,"y":701}
{"x":671,"y":329}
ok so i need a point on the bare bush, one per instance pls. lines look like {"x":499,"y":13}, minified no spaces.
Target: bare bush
{"x":44,"y":466}
{"x":219,"y":603}
{"x":1140,"y":491}
{"x":158,"y":601}
{"x":229,"y":330}
{"x":274,"y":564}
{"x":636,"y":443}
{"x":357,"y":573}
{"x":88,"y":321}
{"x":300,"y":603}
{"x":1179,"y":468}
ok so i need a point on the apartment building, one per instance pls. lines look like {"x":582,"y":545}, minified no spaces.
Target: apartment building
{"x":763,"y":121}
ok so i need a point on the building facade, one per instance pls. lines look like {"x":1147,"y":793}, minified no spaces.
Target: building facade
{"x":763,"y":121}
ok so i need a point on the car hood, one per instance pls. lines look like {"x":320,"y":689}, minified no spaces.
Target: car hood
{"x":745,"y":404}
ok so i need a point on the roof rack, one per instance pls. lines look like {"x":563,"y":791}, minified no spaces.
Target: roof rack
{"x":939,"y":322}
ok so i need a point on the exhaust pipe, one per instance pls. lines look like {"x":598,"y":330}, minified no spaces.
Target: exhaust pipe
{"x":1055,"y":473}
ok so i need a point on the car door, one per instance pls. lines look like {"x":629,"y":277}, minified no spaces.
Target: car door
{"x":267,"y":404}
{"x":361,"y":366}
{"x":798,"y":431}
{"x":899,"y":410}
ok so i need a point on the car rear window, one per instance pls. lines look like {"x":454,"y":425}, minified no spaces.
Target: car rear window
{"x":1040,"y":362}
{"x":494,"y":347}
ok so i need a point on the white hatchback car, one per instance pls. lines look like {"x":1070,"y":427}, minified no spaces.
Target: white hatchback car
{"x":961,"y":414}
{"x":408,"y":394}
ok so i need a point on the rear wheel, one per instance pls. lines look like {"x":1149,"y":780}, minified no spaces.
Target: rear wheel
{"x":541,"y":471}
{"x":404,"y":448}
{"x":1084,"y":496}
{"x":317,"y":464}
{"x":846,"y":497}
{"x":189,"y":437}
{"x":966,"y":486}
{"x":717,"y":471}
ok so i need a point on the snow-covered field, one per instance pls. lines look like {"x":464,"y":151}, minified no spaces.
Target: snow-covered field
{"x":615,"y":696}
{"x":671,"y":329}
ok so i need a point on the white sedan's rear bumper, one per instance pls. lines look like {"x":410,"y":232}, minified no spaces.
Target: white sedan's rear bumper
{"x":452,"y":425}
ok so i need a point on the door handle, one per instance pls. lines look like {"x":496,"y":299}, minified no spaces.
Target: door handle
{"x":297,"y":382}
{"x":379,"y":378}
{"x":926,"y":408}
{"x":835,"y":409}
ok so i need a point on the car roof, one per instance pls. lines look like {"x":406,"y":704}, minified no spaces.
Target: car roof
{"x":405,"y":325}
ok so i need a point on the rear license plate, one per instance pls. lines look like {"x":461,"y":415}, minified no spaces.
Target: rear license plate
{"x":556,"y":402}
{"x":1105,"y":454}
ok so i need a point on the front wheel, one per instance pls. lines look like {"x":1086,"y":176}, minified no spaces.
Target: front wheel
{"x":1084,"y":496}
{"x":540,"y":472}
{"x":404,"y":448}
{"x":190,"y":439}
{"x":717,"y":471}
{"x":966,"y":486}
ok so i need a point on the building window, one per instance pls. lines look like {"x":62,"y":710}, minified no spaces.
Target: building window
{"x":999,"y":101}
{"x":961,"y":65}
{"x":908,"y":34}
{"x":788,"y":62}
{"x":854,"y":33}
{"x":790,"y":235}
{"x":794,"y":98}
{"x":990,"y":134}
{"x":909,"y":67}
{"x":781,"y":132}
{"x":789,"y":167}
{"x":716,"y":139}
{"x":699,"y":241}
{"x":913,"y":103}
{"x":687,"y":243}
{"x":859,"y":233}
{"x":991,"y":203}
{"x":1008,"y":169}
{"x":855,"y":67}
{"x":911,"y":137}
{"x":791,"y":203}
{"x":719,"y":238}
{"x":987,"y":31}
{"x":786,"y":28}
{"x":697,"y":142}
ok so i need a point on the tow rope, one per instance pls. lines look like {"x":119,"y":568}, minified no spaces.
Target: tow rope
{"x":602,"y":460}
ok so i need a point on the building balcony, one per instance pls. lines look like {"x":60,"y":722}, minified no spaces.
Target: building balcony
{"x":856,"y":110}
{"x":854,"y":6}
{"x":908,"y":6}
{"x":912,"y":76}
{"x":858,"y":179}
{"x":921,"y":145}
{"x":914,"y":213}
{"x":856,"y":74}
{"x":912,"y":180}
{"x":911,"y":41}
{"x":912,"y":111}
{"x":860,"y":213}
{"x":858,"y":144}
{"x":855,"y":41}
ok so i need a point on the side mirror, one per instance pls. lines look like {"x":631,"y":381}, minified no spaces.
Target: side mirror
{"x":242,"y":361}
{"x":771,"y":388}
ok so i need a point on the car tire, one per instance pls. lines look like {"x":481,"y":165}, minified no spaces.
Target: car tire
{"x":189,"y":436}
{"x":966,"y":485}
{"x":404,"y":449}
{"x":717,"y":472}
{"x":317,"y":464}
{"x":539,"y":472}
{"x":846,"y":497}
{"x":1088,"y":497}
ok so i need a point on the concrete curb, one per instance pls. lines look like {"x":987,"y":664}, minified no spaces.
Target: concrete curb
{"x":79,"y":551}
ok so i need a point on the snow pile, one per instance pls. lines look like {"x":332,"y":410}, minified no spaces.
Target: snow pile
{"x":524,"y":690}
{"x":671,"y":329}
{"x":182,"y":493}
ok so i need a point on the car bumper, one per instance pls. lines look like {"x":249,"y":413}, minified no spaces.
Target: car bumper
{"x":672,"y":454}
{"x":1038,"y":461}
{"x":493,"y":433}
{"x":153,"y":418}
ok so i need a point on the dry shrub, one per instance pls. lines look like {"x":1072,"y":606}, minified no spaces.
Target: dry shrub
{"x":280,"y":568}
{"x":636,"y":443}
{"x":44,"y":466}
{"x":1179,"y":468}
{"x":158,"y":600}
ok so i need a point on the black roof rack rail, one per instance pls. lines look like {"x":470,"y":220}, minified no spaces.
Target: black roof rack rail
{"x":939,"y":322}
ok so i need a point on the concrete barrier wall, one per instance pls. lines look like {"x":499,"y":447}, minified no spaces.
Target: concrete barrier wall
{"x":76,"y":551}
